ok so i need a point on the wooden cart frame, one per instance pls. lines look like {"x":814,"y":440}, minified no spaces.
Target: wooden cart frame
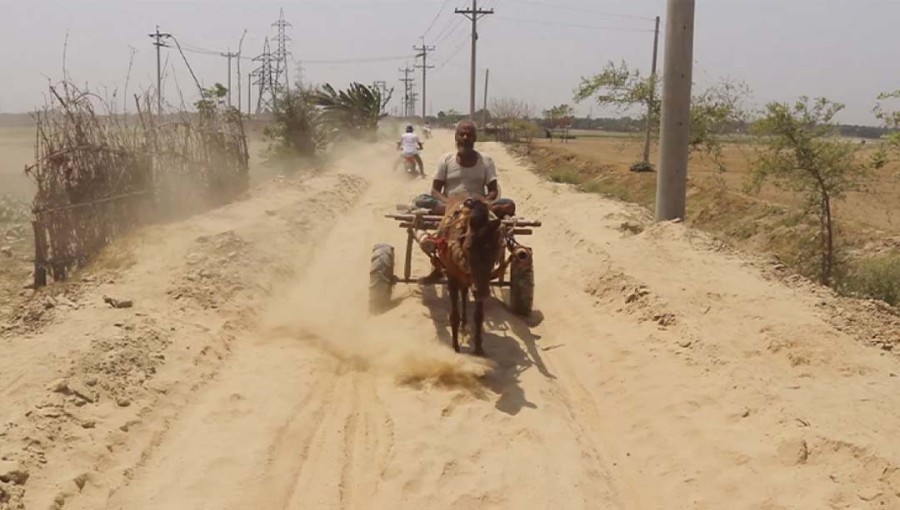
{"x":419,"y":224}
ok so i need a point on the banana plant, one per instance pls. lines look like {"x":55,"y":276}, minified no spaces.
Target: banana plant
{"x":355,"y":109}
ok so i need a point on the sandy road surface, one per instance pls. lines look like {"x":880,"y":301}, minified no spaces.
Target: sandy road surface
{"x":658,"y":371}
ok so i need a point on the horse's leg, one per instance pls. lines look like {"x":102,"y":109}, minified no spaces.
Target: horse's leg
{"x":454,"y":312}
{"x":479,"y":322}
{"x":465,"y":306}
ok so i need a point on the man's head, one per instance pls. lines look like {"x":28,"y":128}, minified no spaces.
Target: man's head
{"x":409,"y":128}
{"x":466,"y":134}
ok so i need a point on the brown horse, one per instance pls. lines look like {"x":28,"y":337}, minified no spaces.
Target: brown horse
{"x":471,"y":248}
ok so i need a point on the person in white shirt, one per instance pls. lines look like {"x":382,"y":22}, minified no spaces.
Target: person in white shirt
{"x":466,"y":172}
{"x":410,"y":145}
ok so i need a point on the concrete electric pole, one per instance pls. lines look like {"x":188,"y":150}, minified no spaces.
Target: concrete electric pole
{"x":487,"y":76}
{"x":423,"y":52}
{"x":159,"y":44}
{"x":652,"y":95}
{"x":675,"y":124}
{"x":407,"y":81}
{"x":229,"y":55}
{"x":473,"y":14}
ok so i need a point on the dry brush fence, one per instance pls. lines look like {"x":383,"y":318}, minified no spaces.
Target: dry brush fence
{"x":98,"y":176}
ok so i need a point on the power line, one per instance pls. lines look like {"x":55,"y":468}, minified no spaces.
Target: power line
{"x":358,"y":60}
{"x":365,"y":3}
{"x":352,"y":60}
{"x":198,"y":51}
{"x":453,"y":54}
{"x":583,"y":9}
{"x":436,"y":17}
{"x":188,"y":64}
{"x":450,"y":28}
{"x":574,"y":25}
{"x":460,"y":23}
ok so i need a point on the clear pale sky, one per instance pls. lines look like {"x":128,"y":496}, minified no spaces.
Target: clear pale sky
{"x":847,"y":50}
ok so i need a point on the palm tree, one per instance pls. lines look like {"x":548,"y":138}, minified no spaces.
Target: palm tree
{"x":356,"y":109}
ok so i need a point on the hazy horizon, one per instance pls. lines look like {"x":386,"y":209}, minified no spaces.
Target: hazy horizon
{"x":536,"y":51}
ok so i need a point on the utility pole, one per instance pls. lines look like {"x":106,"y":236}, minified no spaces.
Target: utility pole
{"x":381,"y":85}
{"x":425,"y":67}
{"x":266,"y":81}
{"x":473,"y":14}
{"x":159,"y":44}
{"x":413,"y":96}
{"x":675,"y":124}
{"x":406,"y":86}
{"x":239,"y":75}
{"x":229,"y":55}
{"x":652,"y":95}
{"x":299,"y":81}
{"x":249,"y":91}
{"x":487,"y":75}
{"x":280,"y":57}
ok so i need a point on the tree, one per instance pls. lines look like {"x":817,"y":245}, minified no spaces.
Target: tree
{"x":714,"y":111}
{"x":802,"y":154}
{"x":891,"y":120}
{"x":620,"y":87}
{"x":354,"y":110}
{"x":296,"y":128}
{"x":512,"y":119}
{"x":450,"y":117}
{"x":503,"y":108}
{"x":212,"y":102}
{"x":558,"y":116}
{"x":623,"y":88}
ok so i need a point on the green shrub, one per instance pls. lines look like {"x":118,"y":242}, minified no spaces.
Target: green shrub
{"x":565,"y":175}
{"x":642,"y":166}
{"x":876,"y":278}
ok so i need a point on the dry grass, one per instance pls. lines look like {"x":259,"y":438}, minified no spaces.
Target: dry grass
{"x":877,"y":207}
{"x":877,"y":277}
{"x":770,"y":222}
{"x":99,"y":174}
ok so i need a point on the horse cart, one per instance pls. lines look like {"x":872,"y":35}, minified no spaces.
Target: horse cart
{"x":514,"y":269}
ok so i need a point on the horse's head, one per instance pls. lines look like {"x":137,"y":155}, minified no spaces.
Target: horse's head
{"x":482,"y":245}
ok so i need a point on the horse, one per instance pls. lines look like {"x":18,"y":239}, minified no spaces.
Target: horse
{"x":472,"y":245}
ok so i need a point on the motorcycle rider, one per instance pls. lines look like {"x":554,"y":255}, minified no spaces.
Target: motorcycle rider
{"x":410,"y":146}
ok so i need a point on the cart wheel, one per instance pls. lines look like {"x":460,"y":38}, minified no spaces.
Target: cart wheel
{"x":521,"y":288}
{"x":381,"y":277}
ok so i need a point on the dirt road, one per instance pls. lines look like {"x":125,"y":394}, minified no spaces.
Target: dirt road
{"x":658,"y":371}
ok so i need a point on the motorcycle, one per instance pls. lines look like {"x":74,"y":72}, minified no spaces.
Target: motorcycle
{"x":410,"y":166}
